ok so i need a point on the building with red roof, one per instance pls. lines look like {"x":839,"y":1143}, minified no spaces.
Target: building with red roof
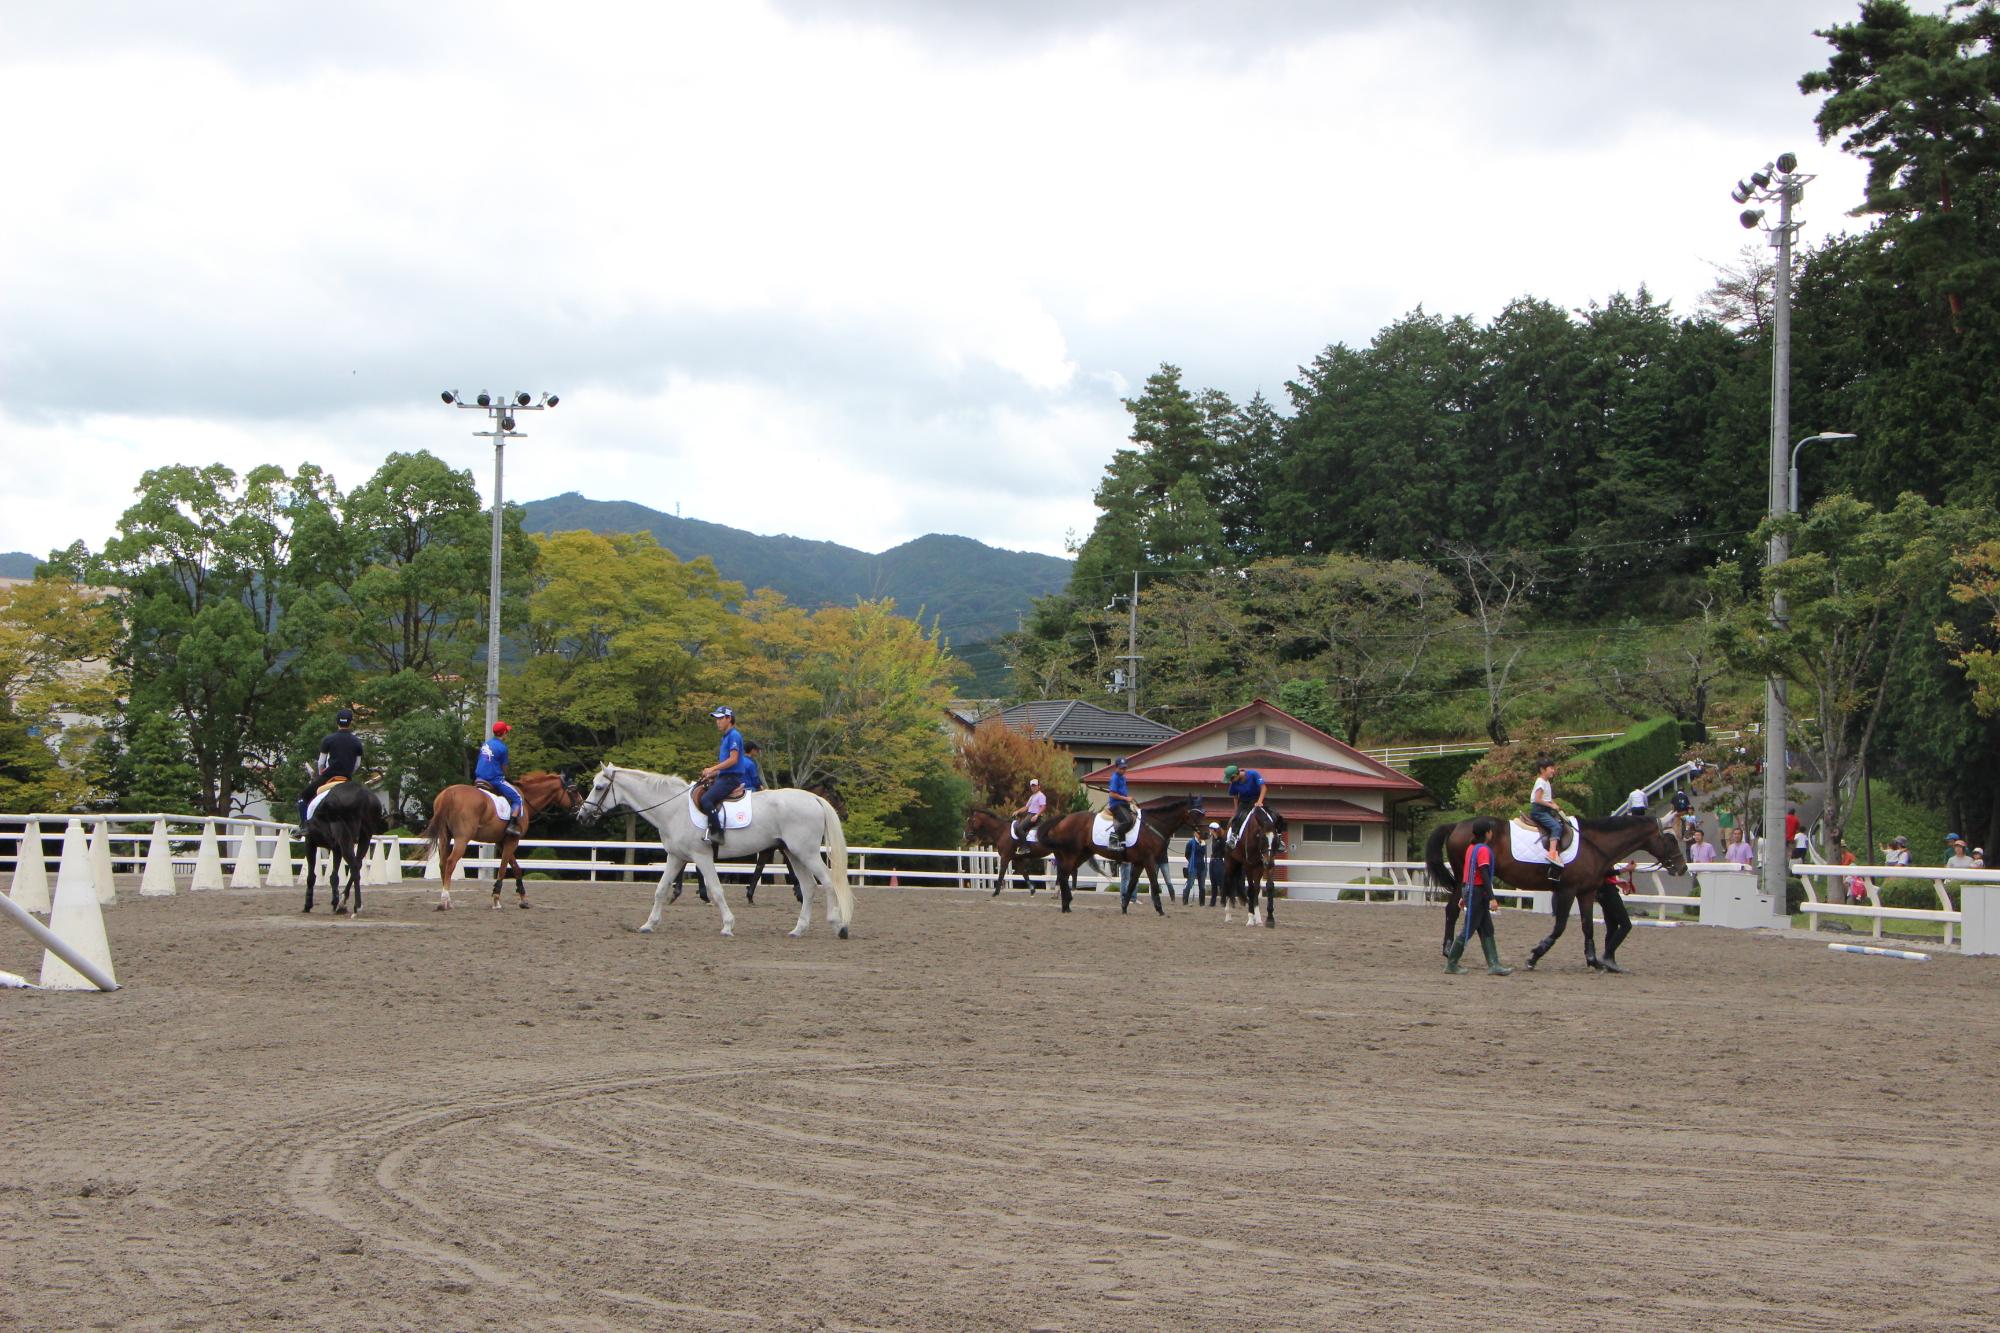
{"x":1340,"y":804}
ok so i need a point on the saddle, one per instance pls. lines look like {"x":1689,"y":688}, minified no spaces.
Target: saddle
{"x":1528,"y":826}
{"x":328,"y":785}
{"x":701,"y":788}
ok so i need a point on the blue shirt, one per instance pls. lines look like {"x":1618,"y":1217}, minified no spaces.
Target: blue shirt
{"x":492,"y":761}
{"x":730,"y":754}
{"x":1195,"y":854}
{"x":1118,"y":787}
{"x":1249,"y":783}
{"x":753,"y":776}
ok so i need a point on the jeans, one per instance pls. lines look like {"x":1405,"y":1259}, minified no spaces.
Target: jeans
{"x":721,"y":789}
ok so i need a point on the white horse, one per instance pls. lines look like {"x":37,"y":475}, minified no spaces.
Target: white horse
{"x":794,"y":821}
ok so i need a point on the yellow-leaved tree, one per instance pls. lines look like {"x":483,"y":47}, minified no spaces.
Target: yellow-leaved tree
{"x":57,"y":644}
{"x":852,"y":697}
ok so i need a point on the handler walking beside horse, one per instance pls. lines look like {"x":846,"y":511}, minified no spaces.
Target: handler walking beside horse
{"x":1478,"y":880}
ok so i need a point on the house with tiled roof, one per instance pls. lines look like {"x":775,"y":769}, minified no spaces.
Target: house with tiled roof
{"x":1093,"y":736}
{"x":1340,"y":804}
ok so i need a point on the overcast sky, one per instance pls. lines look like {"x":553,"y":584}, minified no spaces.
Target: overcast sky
{"x":856,"y":269}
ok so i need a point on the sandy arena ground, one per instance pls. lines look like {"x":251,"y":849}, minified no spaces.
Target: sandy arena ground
{"x":980,"y":1114}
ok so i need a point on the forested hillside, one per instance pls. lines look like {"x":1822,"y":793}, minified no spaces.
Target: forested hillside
{"x":975,"y":592}
{"x":1553,"y":516}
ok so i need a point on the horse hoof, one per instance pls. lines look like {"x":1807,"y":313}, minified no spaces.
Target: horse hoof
{"x":843,"y":932}
{"x":1593,"y":964}
{"x":1610,"y":966}
{"x":728,"y":934}
{"x":524,"y":904}
{"x":646,"y":929}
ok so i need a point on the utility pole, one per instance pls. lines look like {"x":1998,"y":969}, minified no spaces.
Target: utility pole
{"x":1131,"y":655}
{"x":1784,"y":188}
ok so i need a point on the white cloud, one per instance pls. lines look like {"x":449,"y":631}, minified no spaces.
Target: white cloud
{"x":902,"y":258}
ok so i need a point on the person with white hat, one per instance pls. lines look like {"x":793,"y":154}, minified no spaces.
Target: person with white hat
{"x":1030,"y":810}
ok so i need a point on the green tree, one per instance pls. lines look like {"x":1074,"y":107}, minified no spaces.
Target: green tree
{"x":1853,"y":584}
{"x":58,"y":644}
{"x":998,"y":760}
{"x":220,"y":633}
{"x":1498,"y":783}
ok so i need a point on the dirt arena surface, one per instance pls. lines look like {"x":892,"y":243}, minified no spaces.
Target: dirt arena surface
{"x":980,"y":1114}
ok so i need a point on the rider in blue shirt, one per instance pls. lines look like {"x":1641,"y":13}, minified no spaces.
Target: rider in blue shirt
{"x":1123,"y":813}
{"x":1247,"y":786}
{"x":726,"y":774}
{"x":753,"y":776}
{"x":492,"y":770}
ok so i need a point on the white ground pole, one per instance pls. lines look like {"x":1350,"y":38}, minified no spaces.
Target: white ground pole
{"x":158,"y":881}
{"x":1873,"y":952}
{"x":30,"y":888}
{"x":207,"y":861}
{"x":55,"y":944}
{"x":245,"y":875}
{"x":100,"y":863}
{"x":280,"y":875}
{"x":76,"y":922}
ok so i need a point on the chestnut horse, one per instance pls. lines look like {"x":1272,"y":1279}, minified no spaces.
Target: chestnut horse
{"x":1605,"y":843}
{"x":983,"y":827}
{"x":463,"y":814}
{"x":1068,"y":839}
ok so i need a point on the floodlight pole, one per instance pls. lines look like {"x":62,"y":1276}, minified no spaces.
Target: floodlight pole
{"x":1784,"y":187}
{"x":502,"y":411}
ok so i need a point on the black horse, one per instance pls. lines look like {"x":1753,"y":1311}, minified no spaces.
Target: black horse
{"x":348,"y":819}
{"x":1247,"y":867}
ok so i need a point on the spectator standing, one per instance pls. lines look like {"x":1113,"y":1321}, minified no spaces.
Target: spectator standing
{"x":1636,"y":802}
{"x":1217,"y":853}
{"x":1959,"y":859}
{"x":1738,"y":850}
{"x":1194,"y":862}
{"x":1979,"y":858}
{"x":1702,"y":850}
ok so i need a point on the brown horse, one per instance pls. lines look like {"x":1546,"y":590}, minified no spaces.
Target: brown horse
{"x":1247,"y":864}
{"x":463,"y":815}
{"x":1605,"y":843}
{"x":985,"y":828}
{"x":1068,"y":839}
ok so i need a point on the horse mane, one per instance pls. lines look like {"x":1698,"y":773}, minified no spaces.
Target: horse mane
{"x":1617,"y":823}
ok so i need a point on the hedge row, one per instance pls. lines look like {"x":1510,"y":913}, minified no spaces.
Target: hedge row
{"x":1440,"y":773}
{"x":1614,"y":767}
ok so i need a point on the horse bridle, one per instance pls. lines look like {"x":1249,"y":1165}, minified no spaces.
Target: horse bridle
{"x":614,"y":771}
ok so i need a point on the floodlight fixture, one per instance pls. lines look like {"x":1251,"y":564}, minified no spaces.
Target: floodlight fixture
{"x":1760,"y":179}
{"x":522,"y":399}
{"x":551,"y":399}
{"x":1788,"y":163}
{"x":1751,"y":217}
{"x":484,"y":400}
{"x":449,"y":397}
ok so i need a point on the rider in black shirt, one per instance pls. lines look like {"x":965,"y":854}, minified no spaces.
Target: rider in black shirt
{"x":339,"y":757}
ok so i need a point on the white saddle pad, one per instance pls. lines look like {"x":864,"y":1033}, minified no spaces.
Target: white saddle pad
{"x":735,"y":814}
{"x":500,"y":806}
{"x":1527,"y":843}
{"x":312,"y":806}
{"x":1034,"y":833}
{"x":1101,"y":828}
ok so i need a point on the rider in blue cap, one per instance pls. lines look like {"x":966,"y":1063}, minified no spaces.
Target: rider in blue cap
{"x":1123,"y":813}
{"x":726,"y":774}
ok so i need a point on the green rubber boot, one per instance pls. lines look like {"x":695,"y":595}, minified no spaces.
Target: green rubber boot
{"x":1453,"y":954}
{"x":1492,"y":948}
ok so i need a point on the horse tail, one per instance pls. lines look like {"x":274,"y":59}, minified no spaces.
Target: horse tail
{"x":836,"y":861}
{"x":437,"y":831}
{"x":1442,"y":873}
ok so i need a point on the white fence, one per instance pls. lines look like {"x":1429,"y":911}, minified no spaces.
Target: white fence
{"x":249,"y":847}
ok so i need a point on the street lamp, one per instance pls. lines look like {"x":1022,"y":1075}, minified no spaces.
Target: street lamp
{"x":1782,"y":183}
{"x":501,"y":410}
{"x":1792,"y":490}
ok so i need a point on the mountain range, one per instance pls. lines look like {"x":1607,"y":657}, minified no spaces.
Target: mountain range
{"x":18,"y":565}
{"x":975,"y":592}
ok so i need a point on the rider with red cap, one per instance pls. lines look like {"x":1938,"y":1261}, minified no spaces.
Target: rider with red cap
{"x":492,"y":770}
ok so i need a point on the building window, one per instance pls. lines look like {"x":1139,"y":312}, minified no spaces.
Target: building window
{"x":1278,"y":738}
{"x":1084,"y":765}
{"x":1242,"y":738}
{"x":1349,"y":834}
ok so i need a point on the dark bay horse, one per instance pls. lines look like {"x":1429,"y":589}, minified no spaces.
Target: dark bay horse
{"x":1605,"y":843}
{"x":463,"y":814}
{"x":1068,"y":839}
{"x":347,"y":820}
{"x":986,"y":828}
{"x":1246,"y":865}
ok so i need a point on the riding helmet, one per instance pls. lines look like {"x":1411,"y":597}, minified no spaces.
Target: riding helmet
{"x":501,"y":728}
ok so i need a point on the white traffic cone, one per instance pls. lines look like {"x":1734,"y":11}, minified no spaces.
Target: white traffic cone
{"x":395,"y":861}
{"x":245,"y":875}
{"x":432,"y":869}
{"x":100,"y":863}
{"x":207,"y":861}
{"x":74,"y":867}
{"x":77,"y":921}
{"x":30,"y":889}
{"x":280,"y":875}
{"x":158,"y":881}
